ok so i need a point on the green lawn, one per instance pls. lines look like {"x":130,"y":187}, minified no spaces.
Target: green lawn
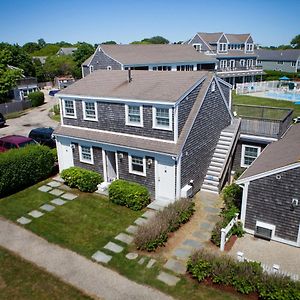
{"x":22,"y":280}
{"x":86,"y":224}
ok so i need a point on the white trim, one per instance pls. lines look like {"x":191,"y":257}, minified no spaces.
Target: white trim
{"x":267,"y":226}
{"x":110,"y":56}
{"x":257,"y":138}
{"x":91,"y":162}
{"x":268,"y":173}
{"x":74,"y":107}
{"x":130,"y":123}
{"x":243,"y":165}
{"x":244,"y":202}
{"x":224,"y":82}
{"x":60,"y":101}
{"x":117,"y":164}
{"x":104,"y":165}
{"x":130,"y":165}
{"x":208,"y":46}
{"x":119,"y":133}
{"x":154,"y":120}
{"x":176,"y":123}
{"x":178,"y":178}
{"x":298,"y":237}
{"x":223,"y":97}
{"x":91,"y":68}
{"x":84,"y":110}
{"x":109,"y":68}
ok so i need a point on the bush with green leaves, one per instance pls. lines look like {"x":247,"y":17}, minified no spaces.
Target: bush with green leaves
{"x":20,"y":168}
{"x":130,"y":194}
{"x":155,"y":233}
{"x":84,"y":180}
{"x":36,"y":98}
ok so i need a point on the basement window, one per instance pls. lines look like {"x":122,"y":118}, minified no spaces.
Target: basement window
{"x":264,"y":230}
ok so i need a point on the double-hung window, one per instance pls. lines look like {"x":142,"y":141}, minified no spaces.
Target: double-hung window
{"x":69,"y":108}
{"x":162,"y":118}
{"x":249,"y":154}
{"x":137,"y":165}
{"x":86,"y":154}
{"x":90,"y":110}
{"x":134,"y":115}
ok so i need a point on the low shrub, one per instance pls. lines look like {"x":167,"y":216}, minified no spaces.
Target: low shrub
{"x":20,"y":168}
{"x":36,"y":98}
{"x":232,"y":195}
{"x":129,"y":194}
{"x":154,"y":234}
{"x":84,"y":180}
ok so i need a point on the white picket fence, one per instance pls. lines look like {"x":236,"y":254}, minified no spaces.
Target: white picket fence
{"x":225,"y":231}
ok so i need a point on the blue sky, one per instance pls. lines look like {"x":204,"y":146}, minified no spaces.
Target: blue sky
{"x":271,"y":22}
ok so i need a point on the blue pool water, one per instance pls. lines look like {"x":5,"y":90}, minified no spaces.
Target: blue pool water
{"x":284,"y":96}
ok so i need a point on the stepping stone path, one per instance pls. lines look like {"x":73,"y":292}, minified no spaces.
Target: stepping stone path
{"x":23,"y":220}
{"x":192,"y":243}
{"x":168,"y":279}
{"x":35,"y":214}
{"x":125,"y":238}
{"x":58,"y":178}
{"x":56,"y":192}
{"x":131,"y":255}
{"x":45,"y":188}
{"x":101,"y":257}
{"x":69,"y":196}
{"x":182,"y":253}
{"x":54,"y":184}
{"x":58,"y":201}
{"x":175,"y":266}
{"x":113,"y":247}
{"x":150,"y":263}
{"x":202,"y":235}
{"x":141,"y":261}
{"x":210,"y":209}
{"x":47,"y":207}
{"x":149,"y":214}
{"x":140,"y":221}
{"x":132,"y":229}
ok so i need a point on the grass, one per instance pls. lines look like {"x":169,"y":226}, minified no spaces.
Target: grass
{"x":22,"y":280}
{"x":55,"y":118}
{"x":86,"y":224}
{"x":15,"y":114}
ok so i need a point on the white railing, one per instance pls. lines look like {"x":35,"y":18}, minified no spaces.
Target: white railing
{"x":225,"y":231}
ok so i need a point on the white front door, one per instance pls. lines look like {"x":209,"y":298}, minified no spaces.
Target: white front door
{"x":111,"y":166}
{"x":165,"y":180}
{"x":65,"y":155}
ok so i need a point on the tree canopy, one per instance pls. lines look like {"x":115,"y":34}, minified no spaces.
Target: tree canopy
{"x":153,"y":40}
{"x":295,"y":42}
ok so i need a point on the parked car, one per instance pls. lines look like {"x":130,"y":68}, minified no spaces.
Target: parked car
{"x":2,"y":120}
{"x":15,"y":141}
{"x":53,"y":92}
{"x":43,"y":136}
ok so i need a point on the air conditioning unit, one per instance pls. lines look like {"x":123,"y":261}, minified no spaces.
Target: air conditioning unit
{"x":186,"y":191}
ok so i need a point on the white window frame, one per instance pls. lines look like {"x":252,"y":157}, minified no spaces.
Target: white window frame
{"x":134,"y":171}
{"x":267,"y":226}
{"x":84,"y":110}
{"x":198,"y":46}
{"x":243,"y":165}
{"x":280,"y":62}
{"x":91,"y":161}
{"x":91,"y":69}
{"x":243,"y":62}
{"x":64,"y":109}
{"x":293,"y":64}
{"x":223,"y":47}
{"x":154,"y":121}
{"x":109,"y":68}
{"x":249,"y":63}
{"x":130,"y":123}
{"x":223,"y":63}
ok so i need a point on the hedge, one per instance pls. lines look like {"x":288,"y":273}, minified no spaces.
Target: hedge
{"x":36,"y":98}
{"x":155,"y":233}
{"x":20,"y":168}
{"x":245,"y":277}
{"x":84,"y":180}
{"x":129,"y":194}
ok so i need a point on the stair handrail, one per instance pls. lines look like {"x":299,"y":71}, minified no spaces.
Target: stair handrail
{"x":232,"y":145}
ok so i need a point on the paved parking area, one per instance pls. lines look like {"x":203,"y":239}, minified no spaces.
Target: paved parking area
{"x":269,"y":253}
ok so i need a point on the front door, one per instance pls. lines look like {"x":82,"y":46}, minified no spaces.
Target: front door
{"x":111,"y":166}
{"x":65,"y":155}
{"x":165,"y":180}
{"x":232,"y":64}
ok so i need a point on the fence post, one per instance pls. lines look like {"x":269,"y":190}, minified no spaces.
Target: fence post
{"x":240,"y":256}
{"x":223,"y":239}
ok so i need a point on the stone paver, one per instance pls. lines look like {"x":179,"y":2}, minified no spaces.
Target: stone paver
{"x":113,"y":247}
{"x":69,"y":196}
{"x":202,"y":235}
{"x":101,"y":257}
{"x":132,"y":229}
{"x":175,"y":266}
{"x":45,"y":188}
{"x":78,"y":271}
{"x":151,"y":263}
{"x":54,"y":184}
{"x":212,"y":210}
{"x":125,"y":238}
{"x":58,"y":201}
{"x":213,"y":218}
{"x":58,"y":178}
{"x":168,"y":279}
{"x":193,"y":244}
{"x":149,"y":214}
{"x":183,"y":253}
{"x":47,"y":207}
{"x":131,"y":255}
{"x":207,"y":226}
{"x":23,"y":220}
{"x":140,"y":221}
{"x":35,"y":214}
{"x":56,"y":192}
{"x":141,"y":261}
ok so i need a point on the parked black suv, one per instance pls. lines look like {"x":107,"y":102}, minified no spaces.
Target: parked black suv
{"x":2,"y":120}
{"x":43,"y":136}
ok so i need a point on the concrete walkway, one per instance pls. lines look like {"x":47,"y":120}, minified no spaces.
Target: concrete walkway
{"x":90,"y":277}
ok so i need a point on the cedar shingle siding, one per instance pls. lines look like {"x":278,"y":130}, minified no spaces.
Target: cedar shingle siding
{"x":269,"y":200}
{"x":202,"y":140}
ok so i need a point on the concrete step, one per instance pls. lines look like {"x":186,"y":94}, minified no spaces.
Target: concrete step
{"x":219,"y":155}
{"x":225,"y":138}
{"x":218,"y":159}
{"x":210,"y":182}
{"x":218,"y":150}
{"x":222,"y":146}
{"x":215,"y":169}
{"x":223,"y":142}
{"x":216,"y":164}
{"x":158,"y":205}
{"x":211,"y":177}
{"x":213,"y":173}
{"x":227,"y":133}
{"x":209,"y":191}
{"x":209,"y":187}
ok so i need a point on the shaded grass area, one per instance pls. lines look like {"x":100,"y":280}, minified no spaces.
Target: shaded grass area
{"x":22,"y":280}
{"x":16,"y":114}
{"x":55,"y":118}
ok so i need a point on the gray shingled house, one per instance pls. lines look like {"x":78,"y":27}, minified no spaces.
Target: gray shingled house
{"x":170,"y":131}
{"x":147,"y":57}
{"x":271,"y":191}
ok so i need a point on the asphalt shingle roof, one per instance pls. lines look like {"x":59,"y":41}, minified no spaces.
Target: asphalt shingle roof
{"x":278,"y":55}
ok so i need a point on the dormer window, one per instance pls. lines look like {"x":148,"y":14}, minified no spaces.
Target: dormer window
{"x":222,"y":47}
{"x":197,"y":46}
{"x":91,"y":69}
{"x":134,"y":115}
{"x":162,"y":118}
{"x":249,"y":47}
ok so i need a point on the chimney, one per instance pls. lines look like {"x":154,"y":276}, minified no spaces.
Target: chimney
{"x":129,"y":75}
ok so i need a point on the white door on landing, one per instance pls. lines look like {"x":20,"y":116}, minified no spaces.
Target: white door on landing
{"x":165,"y":180}
{"x":65,"y":155}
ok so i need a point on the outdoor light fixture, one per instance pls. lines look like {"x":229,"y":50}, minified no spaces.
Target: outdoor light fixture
{"x":72,"y":146}
{"x":149,"y":162}
{"x":294,"y":203}
{"x":121,"y":156}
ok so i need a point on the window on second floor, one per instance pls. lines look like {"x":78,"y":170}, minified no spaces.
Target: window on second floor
{"x":242,"y":62}
{"x":293,"y":64}
{"x":134,"y":115}
{"x":91,"y":69}
{"x":90,"y":110}
{"x":249,"y":154}
{"x":69,"y":110}
{"x":197,"y":46}
{"x":280,"y":63}
{"x":223,"y":63}
{"x":249,"y":48}
{"x":222,"y":47}
{"x":162,"y":118}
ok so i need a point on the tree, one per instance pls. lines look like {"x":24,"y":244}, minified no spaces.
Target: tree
{"x":31,"y":47}
{"x":295,"y":42}
{"x":84,"y":51}
{"x":109,"y":43}
{"x":41,"y":43}
{"x":58,"y":66}
{"x":156,"y":40}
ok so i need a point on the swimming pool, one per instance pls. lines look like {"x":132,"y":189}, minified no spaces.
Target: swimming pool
{"x":283,"y":96}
